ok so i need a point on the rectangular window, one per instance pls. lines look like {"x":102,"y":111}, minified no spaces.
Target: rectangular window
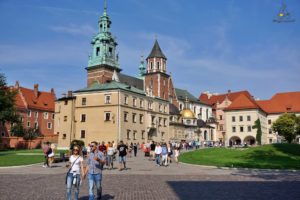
{"x":143,"y":134}
{"x":134,"y":117}
{"x":83,"y":101}
{"x":241,"y":118}
{"x":65,"y":118}
{"x":165,"y":122}
{"x":270,"y":131}
{"x":241,"y":129}
{"x":28,"y":124}
{"x":66,"y":103}
{"x":248,"y":118}
{"x":233,"y":129}
{"x":128,"y":134}
{"x":159,"y":121}
{"x":36,"y":114}
{"x":141,"y":103}
{"x":126,"y":100}
{"x":249,"y":128}
{"x":36,"y":125}
{"x":64,"y":136}
{"x":150,"y":105}
{"x":49,"y":125}
{"x":82,"y":134}
{"x":134,"y":135}
{"x":22,"y":119}
{"x":97,"y":51}
{"x":45,"y":115}
{"x":134,"y":102}
{"x":221,"y":127}
{"x":29,"y":113}
{"x":53,"y":116}
{"x":107,"y":99}
{"x":83,"y":118}
{"x":221,"y":117}
{"x":162,"y":135}
{"x":269,"y":121}
{"x":233,"y":118}
{"x":107,"y":116}
{"x":160,"y":108}
{"x":152,"y":120}
{"x":165,"y":108}
{"x":141,"y":118}
{"x":125,"y":116}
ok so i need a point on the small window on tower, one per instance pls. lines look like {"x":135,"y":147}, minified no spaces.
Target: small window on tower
{"x":151,"y":65}
{"x":110,"y":51}
{"x":157,"y":65}
{"x":97,"y":51}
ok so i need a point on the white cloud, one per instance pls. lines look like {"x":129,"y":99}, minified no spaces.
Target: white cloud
{"x":85,"y":29}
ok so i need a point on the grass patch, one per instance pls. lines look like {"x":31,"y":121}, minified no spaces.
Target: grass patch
{"x":274,"y":156}
{"x":23,"y":157}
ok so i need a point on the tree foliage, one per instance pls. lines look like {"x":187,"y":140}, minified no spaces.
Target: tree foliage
{"x":77,"y":142}
{"x":18,"y":130}
{"x":288,"y":126}
{"x":7,"y":102}
{"x":257,"y":126}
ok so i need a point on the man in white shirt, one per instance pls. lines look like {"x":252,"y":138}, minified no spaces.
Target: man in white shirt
{"x":157,"y":152}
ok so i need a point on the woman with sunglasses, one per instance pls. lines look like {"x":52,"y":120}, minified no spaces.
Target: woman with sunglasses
{"x":75,"y":172}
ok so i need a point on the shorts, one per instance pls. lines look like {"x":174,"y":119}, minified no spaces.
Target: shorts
{"x":51,"y":155}
{"x":122,"y":159}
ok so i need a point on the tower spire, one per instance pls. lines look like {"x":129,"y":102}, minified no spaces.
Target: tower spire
{"x":105,"y":7}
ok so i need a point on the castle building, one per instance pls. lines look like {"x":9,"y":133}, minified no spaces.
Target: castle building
{"x":36,"y":111}
{"x":245,"y":110}
{"x":115,"y":106}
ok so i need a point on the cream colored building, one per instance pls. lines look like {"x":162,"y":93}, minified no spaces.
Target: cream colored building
{"x":244,"y":111}
{"x":111,"y":115}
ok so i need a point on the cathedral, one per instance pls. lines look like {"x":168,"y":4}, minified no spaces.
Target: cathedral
{"x":115,"y":106}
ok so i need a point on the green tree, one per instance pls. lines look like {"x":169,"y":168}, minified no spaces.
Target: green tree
{"x":257,"y":126}
{"x":7,"y":102}
{"x":288,"y":126}
{"x":18,"y":130}
{"x":31,"y":134}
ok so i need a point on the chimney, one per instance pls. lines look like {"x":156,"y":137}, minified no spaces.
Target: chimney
{"x":36,"y":90}
{"x":70,"y":93}
{"x":52,"y":91}
{"x":229,"y":91}
{"x":17,"y":85}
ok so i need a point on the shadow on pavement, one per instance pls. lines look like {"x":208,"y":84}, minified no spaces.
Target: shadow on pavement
{"x":104,"y":197}
{"x":235,"y":190}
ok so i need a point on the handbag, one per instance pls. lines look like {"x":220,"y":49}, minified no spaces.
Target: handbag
{"x":70,"y":169}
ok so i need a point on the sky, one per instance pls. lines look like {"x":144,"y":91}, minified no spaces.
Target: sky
{"x":211,"y":45}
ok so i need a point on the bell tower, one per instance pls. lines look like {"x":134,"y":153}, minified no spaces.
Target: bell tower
{"x":157,"y":81}
{"x":103,"y":61}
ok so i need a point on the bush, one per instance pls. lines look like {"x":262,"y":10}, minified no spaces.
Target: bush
{"x":20,"y":145}
{"x":39,"y":145}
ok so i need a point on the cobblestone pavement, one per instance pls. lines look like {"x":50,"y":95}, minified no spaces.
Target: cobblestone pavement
{"x":144,"y":180}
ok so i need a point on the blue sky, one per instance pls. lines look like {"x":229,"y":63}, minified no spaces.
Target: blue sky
{"x":211,"y":45}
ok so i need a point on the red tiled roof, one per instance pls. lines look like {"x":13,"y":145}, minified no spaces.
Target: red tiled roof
{"x":20,"y":104}
{"x":242,"y":102}
{"x":281,"y":103}
{"x":44,"y":100}
{"x":220,"y":98}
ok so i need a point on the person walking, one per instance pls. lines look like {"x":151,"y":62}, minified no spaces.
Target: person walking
{"x":177,"y":153}
{"x":122,"y":149}
{"x":157,"y":152}
{"x":152,"y":149}
{"x":110,"y":154}
{"x":94,"y":161}
{"x":135,"y":148}
{"x":75,"y":172}
{"x":170,"y":152}
{"x":164,"y":155}
{"x":102,"y":148}
{"x":46,"y":149}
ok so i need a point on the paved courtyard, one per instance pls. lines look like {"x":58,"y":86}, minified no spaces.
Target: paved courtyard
{"x":144,"y":180}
